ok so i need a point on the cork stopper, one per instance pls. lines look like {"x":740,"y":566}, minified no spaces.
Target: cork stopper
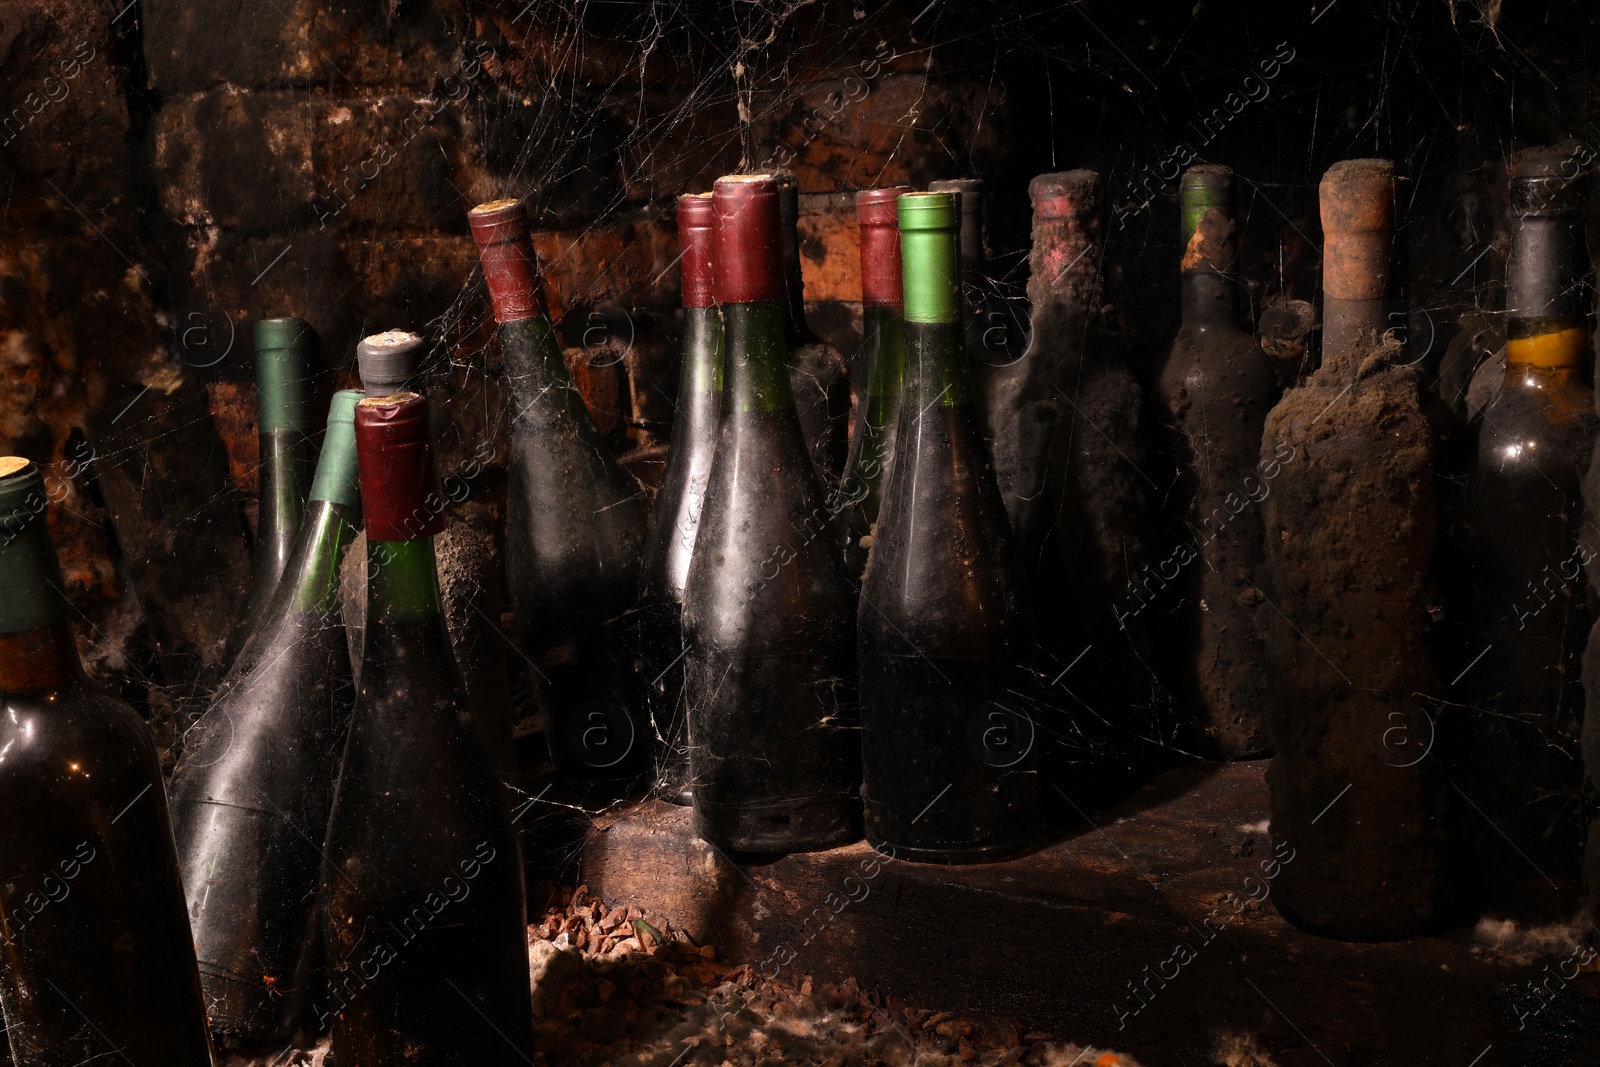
{"x":510,"y":268}
{"x":697,"y":238}
{"x":748,"y":245}
{"x":1357,"y":201}
{"x":400,"y":490}
{"x":878,"y":216}
{"x":388,"y":361}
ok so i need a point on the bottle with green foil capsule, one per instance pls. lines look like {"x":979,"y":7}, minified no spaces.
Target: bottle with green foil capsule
{"x":283,"y":417}
{"x":768,"y":615}
{"x":1528,"y":544}
{"x":575,"y":527}
{"x":948,"y":757}
{"x":1212,"y":399}
{"x":883,"y":328}
{"x":250,"y":797}
{"x":423,"y":909}
{"x":681,"y":498}
{"x":94,"y":926}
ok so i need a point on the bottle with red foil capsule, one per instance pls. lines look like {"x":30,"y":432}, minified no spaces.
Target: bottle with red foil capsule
{"x":575,"y":526}
{"x":424,"y":915}
{"x":93,"y":918}
{"x":883,"y":328}
{"x":681,"y":498}
{"x":768,"y":616}
{"x":818,"y":373}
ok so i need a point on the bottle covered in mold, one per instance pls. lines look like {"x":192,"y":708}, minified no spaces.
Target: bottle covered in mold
{"x":950,"y":767}
{"x":575,"y":527}
{"x":94,"y":925}
{"x":681,"y":498}
{"x":818,"y":374}
{"x":258,"y":769}
{"x":883,"y":328}
{"x":1357,"y":796}
{"x":1213,"y":396}
{"x":424,"y":918}
{"x":769,"y":617}
{"x":1527,"y":544}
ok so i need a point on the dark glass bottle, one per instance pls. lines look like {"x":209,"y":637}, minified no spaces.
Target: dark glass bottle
{"x":283,"y":421}
{"x":883,"y":342}
{"x":768,"y":617}
{"x":819,"y":377}
{"x":995,"y":320}
{"x":1215,"y":392}
{"x":470,"y":576}
{"x":1528,"y":543}
{"x":93,"y":905}
{"x":681,"y":498}
{"x":948,"y":761}
{"x":424,"y":916}
{"x":1357,"y":798}
{"x":575,"y":526}
{"x":250,"y":797}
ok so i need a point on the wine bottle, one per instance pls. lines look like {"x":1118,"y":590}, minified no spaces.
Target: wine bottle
{"x":99,"y":965}
{"x":1214,"y":394}
{"x":250,"y":796}
{"x":1527,"y":546}
{"x":818,"y":374}
{"x":996,"y":328}
{"x":283,"y":423}
{"x":883,"y":330}
{"x":768,"y":617}
{"x":424,"y":914}
{"x":1356,"y":798}
{"x":949,"y":767}
{"x":575,"y":525}
{"x":681,"y":498}
{"x":470,"y":578}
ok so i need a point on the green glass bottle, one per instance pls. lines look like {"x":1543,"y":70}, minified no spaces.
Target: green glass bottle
{"x":883,"y":340}
{"x":949,"y":765}
{"x":94,"y":926}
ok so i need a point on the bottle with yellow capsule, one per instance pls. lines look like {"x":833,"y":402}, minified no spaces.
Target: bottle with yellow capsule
{"x":1527,"y":545}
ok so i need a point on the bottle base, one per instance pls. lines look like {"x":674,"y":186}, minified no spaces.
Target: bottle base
{"x":775,"y":829}
{"x":951,"y":857}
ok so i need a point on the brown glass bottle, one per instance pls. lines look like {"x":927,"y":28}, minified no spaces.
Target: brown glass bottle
{"x":950,"y":770}
{"x":860,"y":490}
{"x":681,"y":498}
{"x":1214,"y":394}
{"x":1527,"y":544}
{"x":818,"y":374}
{"x":424,"y":915}
{"x":1357,"y":798}
{"x":575,"y":526}
{"x":768,"y":617}
{"x":94,"y":928}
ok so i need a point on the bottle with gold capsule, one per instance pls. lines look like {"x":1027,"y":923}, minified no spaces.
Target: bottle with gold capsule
{"x":1527,"y":545}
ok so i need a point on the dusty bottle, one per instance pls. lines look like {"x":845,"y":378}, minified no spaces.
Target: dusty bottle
{"x":94,"y":922}
{"x":948,"y":759}
{"x":1065,"y":425}
{"x":681,"y":499}
{"x":575,"y":526}
{"x":883,"y":327}
{"x":996,"y":326}
{"x":1215,"y":392}
{"x":252,"y":791}
{"x":470,"y":578}
{"x":421,"y":879}
{"x":1357,"y":798}
{"x":283,"y":422}
{"x":768,"y":616}
{"x":818,"y":373}
{"x":1527,"y":544}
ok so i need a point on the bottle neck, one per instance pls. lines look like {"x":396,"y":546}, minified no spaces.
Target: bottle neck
{"x":1210,"y":300}
{"x":756,"y":376}
{"x":1352,"y":330}
{"x":40,"y":660}
{"x":1547,"y":293}
{"x":313,"y":572}
{"x":702,"y":352}
{"x":884,"y":333}
{"x":286,"y":471}
{"x":936,"y":368}
{"x":795,"y":330}
{"x":402,"y":581}
{"x":1064,"y":263}
{"x":534,"y":363}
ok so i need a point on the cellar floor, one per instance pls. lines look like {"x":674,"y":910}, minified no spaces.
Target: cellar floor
{"x":1123,"y":933}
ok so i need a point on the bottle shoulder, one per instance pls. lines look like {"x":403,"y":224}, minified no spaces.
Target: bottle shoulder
{"x":80,"y":731}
